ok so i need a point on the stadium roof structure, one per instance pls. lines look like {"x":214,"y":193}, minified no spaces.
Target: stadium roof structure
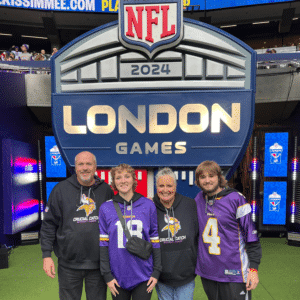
{"x":60,"y":27}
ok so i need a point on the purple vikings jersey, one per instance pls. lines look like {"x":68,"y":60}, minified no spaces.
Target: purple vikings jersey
{"x":225,"y":226}
{"x":128,"y":269}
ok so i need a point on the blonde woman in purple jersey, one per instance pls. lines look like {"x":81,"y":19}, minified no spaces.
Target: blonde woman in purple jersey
{"x":128,"y":276}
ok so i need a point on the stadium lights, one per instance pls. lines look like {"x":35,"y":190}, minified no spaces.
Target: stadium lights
{"x":254,"y":177}
{"x":293,"y":211}
{"x":294,"y":19}
{"x":253,"y":212}
{"x":264,"y":22}
{"x":254,"y":168}
{"x":295,"y":168}
{"x":226,"y":26}
{"x":6,"y":34}
{"x":35,"y":37}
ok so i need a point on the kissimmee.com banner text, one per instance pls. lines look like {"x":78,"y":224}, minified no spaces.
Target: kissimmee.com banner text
{"x":107,"y":6}
{"x":112,"y":6}
{"x":65,"y":5}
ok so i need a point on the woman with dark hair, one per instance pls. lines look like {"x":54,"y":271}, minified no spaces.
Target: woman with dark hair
{"x":126,"y":274}
{"x":11,"y":57}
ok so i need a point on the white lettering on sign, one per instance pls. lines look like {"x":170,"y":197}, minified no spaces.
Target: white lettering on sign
{"x":70,"y":5}
{"x":212,"y":119}
{"x":165,"y":148}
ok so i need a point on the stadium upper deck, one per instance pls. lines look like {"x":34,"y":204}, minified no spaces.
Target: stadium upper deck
{"x":277,"y":85}
{"x":280,"y":27}
{"x":62,"y":24}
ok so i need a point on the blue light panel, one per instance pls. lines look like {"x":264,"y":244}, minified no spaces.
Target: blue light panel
{"x":55,"y":166}
{"x":276,"y":154}
{"x":274,"y":207}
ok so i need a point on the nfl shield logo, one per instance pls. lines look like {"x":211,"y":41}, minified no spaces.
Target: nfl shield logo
{"x":150,"y":25}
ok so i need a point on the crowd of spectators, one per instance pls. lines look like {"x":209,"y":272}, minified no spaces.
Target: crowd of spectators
{"x":295,"y":47}
{"x":14,"y":54}
{"x":270,"y":51}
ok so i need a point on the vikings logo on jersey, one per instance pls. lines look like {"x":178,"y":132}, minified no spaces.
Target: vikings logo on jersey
{"x":88,"y":205}
{"x":173,"y":225}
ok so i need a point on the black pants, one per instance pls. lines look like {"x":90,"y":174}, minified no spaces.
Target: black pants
{"x":71,"y":283}
{"x":138,"y":293}
{"x":225,"y":290}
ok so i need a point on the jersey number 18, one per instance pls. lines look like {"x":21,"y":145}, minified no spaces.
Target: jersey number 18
{"x":137,"y":232}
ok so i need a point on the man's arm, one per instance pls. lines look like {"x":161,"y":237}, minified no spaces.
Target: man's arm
{"x":49,"y":267}
{"x":49,"y":227}
{"x":254,"y":254}
{"x":251,"y":239}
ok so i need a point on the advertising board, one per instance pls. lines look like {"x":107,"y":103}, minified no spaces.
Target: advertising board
{"x":154,"y":89}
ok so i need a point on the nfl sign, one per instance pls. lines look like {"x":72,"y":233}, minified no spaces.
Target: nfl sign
{"x":150,"y":26}
{"x":154,"y":89}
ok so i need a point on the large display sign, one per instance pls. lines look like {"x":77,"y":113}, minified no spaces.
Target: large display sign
{"x":21,"y":189}
{"x":112,"y":6}
{"x":274,"y":209}
{"x":154,"y":89}
{"x":276,"y":154}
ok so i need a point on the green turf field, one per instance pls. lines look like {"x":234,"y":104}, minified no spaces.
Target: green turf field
{"x":279,"y":275}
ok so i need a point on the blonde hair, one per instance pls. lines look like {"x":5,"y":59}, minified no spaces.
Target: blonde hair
{"x":122,"y":168}
{"x":210,"y":167}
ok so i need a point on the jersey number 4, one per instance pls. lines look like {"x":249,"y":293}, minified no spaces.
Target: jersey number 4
{"x":210,"y":236}
{"x":136,"y":232}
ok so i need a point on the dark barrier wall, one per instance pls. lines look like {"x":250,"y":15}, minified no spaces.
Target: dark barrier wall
{"x":18,"y":123}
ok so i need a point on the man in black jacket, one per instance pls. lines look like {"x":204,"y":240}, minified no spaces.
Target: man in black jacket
{"x":178,"y":235}
{"x":70,"y":228}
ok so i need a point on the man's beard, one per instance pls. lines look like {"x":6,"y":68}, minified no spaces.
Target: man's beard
{"x":210,"y":191}
{"x":88,"y":180}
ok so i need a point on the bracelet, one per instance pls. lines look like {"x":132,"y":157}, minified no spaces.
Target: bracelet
{"x":253,"y":270}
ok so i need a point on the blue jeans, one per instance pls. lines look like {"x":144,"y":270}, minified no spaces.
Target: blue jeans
{"x":184,"y":292}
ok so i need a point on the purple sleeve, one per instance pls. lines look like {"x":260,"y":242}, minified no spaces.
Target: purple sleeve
{"x":154,"y":238}
{"x":243,"y":215}
{"x":104,"y":237}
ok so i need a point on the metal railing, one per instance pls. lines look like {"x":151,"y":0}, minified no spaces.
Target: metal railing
{"x":25,"y":67}
{"x":264,"y":61}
